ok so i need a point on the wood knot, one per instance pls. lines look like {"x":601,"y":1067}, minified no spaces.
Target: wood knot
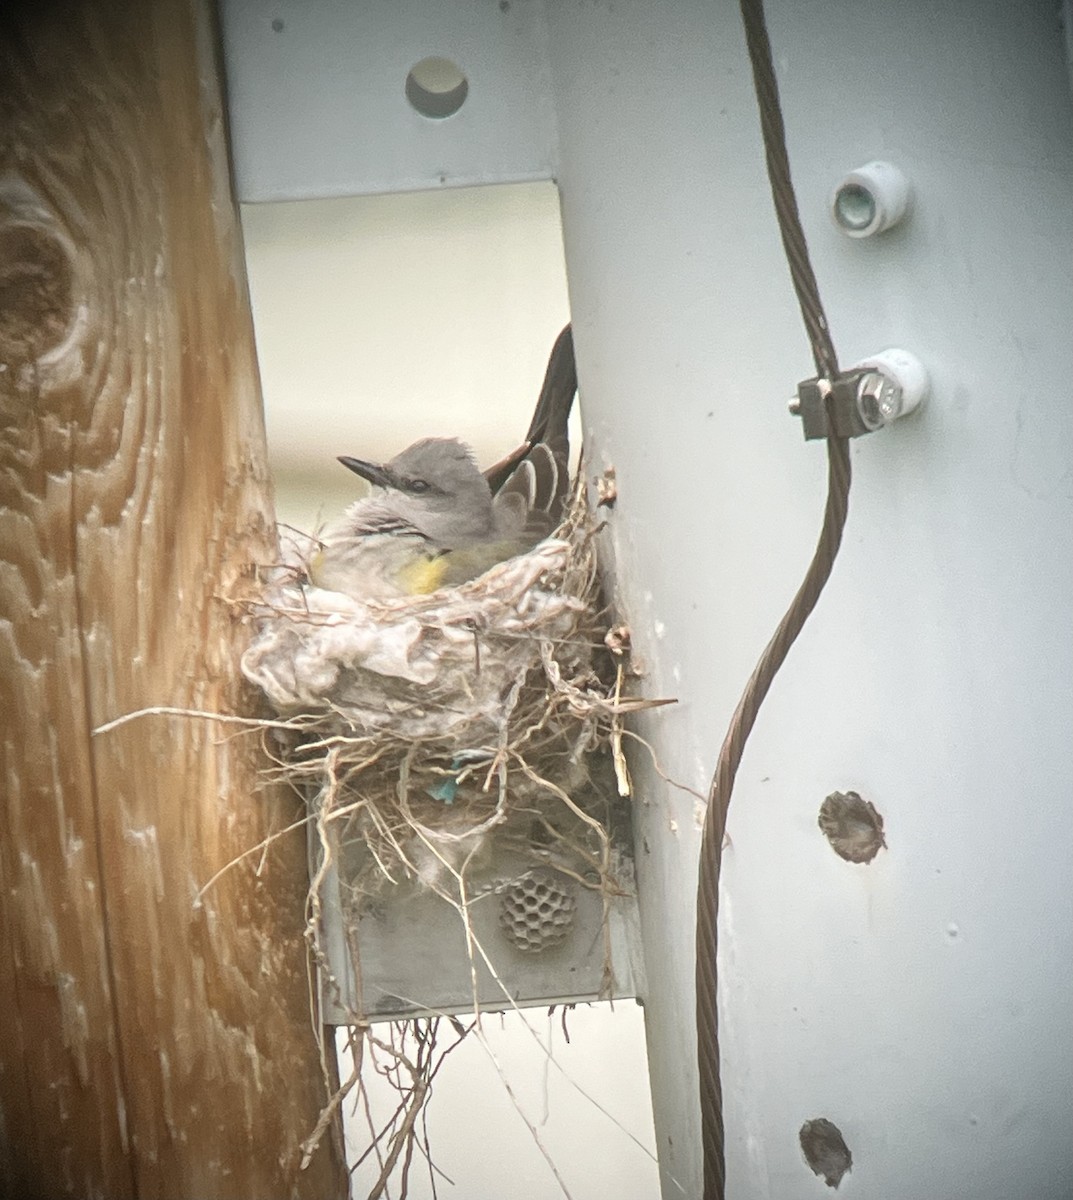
{"x":37,"y":307}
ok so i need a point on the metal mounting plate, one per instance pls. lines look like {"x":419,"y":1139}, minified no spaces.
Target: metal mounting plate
{"x":415,"y":960}
{"x":318,"y":107}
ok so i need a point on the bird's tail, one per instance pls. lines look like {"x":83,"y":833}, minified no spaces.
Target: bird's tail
{"x":556,"y":394}
{"x":534,"y":480}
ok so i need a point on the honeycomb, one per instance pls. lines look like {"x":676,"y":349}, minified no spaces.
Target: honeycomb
{"x":537,"y":911}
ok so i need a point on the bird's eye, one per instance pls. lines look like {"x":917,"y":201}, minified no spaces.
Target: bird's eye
{"x":417,"y":485}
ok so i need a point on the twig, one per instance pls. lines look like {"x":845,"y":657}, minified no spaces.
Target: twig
{"x":167,"y":711}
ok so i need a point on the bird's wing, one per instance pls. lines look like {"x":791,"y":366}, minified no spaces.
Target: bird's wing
{"x":530,"y":503}
{"x":552,"y":412}
{"x":530,"y":485}
{"x":367,"y":518}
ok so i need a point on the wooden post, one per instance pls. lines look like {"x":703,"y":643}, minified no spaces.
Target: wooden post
{"x":150,"y":1044}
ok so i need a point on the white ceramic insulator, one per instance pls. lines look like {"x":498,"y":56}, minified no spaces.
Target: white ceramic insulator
{"x":906,"y":370}
{"x":870,"y":199}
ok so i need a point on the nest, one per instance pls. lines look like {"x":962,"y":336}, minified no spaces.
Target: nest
{"x":434,"y":734}
{"x":454,"y":744}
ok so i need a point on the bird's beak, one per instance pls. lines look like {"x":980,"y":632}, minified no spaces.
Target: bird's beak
{"x":374,"y":473}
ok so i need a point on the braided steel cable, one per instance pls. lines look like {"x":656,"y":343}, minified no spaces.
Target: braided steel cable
{"x":741,"y":723}
{"x":773,"y":132}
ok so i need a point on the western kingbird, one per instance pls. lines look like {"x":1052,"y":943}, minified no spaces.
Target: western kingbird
{"x":434,"y":520}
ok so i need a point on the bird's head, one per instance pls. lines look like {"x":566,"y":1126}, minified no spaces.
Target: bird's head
{"x":435,"y":484}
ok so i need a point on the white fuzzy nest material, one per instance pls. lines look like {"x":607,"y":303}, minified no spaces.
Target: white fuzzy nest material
{"x":402,"y":698}
{"x":436,"y":666}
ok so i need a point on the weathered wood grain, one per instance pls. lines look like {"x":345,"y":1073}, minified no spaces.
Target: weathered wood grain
{"x":150,"y":1045}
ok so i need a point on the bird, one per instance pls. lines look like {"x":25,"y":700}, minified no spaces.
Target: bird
{"x":434,"y":519}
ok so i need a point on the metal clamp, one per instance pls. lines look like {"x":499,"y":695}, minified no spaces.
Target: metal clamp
{"x":830,"y":408}
{"x":863,"y":399}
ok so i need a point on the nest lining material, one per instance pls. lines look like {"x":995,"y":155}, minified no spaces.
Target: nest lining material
{"x":423,"y":724}
{"x":414,"y":668}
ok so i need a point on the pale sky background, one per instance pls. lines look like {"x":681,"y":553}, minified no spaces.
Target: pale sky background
{"x":379,"y":320}
{"x":382,"y":319}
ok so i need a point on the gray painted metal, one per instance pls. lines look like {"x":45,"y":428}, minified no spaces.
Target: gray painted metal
{"x":317,"y":93}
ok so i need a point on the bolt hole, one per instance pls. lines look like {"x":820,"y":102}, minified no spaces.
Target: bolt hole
{"x":853,"y":826}
{"x":277,"y":25}
{"x":436,"y":88}
{"x":825,"y":1150}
